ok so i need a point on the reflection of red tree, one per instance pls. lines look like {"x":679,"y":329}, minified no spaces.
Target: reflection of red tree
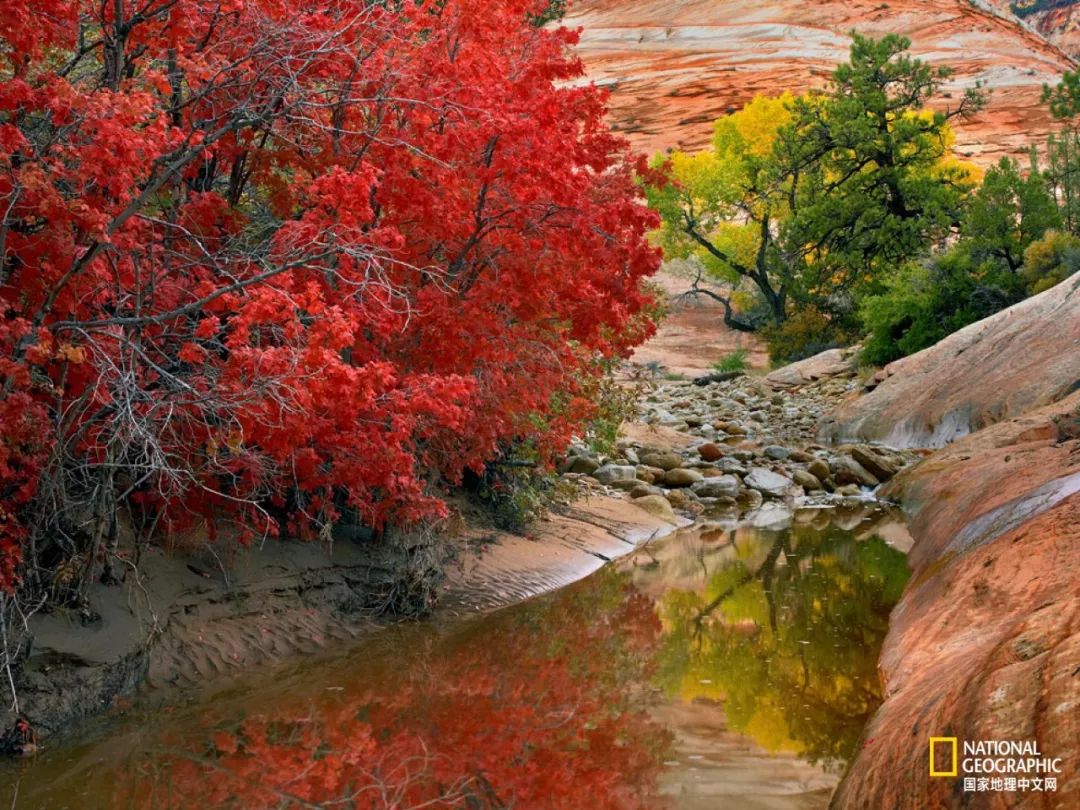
{"x":547,"y":718}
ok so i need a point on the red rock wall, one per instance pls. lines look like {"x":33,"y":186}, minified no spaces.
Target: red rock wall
{"x":674,"y":67}
{"x":985,"y":643}
{"x":1022,"y":358}
{"x":1062,"y":27}
{"x":1058,"y":21}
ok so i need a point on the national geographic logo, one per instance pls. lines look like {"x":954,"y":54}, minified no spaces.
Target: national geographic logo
{"x":995,"y":765}
{"x":943,"y":748}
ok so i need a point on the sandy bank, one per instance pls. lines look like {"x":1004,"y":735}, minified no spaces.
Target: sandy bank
{"x":182,"y":621}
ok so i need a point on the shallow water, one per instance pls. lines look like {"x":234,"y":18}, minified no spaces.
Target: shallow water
{"x":720,"y":668}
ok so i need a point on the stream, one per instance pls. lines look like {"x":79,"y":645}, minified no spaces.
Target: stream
{"x":725,"y":666}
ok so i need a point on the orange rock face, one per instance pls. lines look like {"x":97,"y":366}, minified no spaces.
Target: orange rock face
{"x":1022,"y":358}
{"x":985,"y":643}
{"x":1057,"y":20}
{"x":1062,"y":27}
{"x":674,"y":67}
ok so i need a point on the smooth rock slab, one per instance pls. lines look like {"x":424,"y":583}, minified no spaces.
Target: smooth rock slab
{"x":1021,"y":358}
{"x":725,"y":486}
{"x":829,"y":363}
{"x":767,"y":482}
{"x":610,"y":473}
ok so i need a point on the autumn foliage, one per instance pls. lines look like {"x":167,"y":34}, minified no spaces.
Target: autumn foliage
{"x":267,"y":260}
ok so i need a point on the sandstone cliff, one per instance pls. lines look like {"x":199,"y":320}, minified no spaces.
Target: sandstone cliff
{"x":674,"y":67}
{"x":985,"y":643}
{"x":1057,"y":20}
{"x":1021,"y":358}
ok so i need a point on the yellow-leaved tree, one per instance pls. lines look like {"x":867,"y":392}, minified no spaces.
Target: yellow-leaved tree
{"x":813,"y":201}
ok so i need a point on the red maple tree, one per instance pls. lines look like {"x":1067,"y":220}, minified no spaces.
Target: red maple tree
{"x":273,"y":257}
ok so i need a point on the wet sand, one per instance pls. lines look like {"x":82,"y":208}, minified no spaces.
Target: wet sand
{"x":183,"y":621}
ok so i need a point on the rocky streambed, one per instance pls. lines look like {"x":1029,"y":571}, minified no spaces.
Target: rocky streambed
{"x":742,"y":448}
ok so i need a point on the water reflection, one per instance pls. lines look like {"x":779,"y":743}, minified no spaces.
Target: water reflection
{"x":585,"y":698}
{"x":540,"y":709}
{"x":786,"y":630}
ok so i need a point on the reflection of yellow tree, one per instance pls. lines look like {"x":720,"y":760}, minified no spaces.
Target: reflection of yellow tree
{"x":789,"y":639}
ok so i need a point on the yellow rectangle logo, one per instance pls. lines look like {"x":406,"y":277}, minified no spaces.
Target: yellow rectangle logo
{"x":951,"y":741}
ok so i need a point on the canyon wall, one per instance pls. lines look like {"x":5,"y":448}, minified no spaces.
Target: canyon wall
{"x":1057,"y":20}
{"x":985,"y":644}
{"x":674,"y":67}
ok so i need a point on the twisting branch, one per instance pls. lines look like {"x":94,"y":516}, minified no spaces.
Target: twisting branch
{"x":731,"y":320}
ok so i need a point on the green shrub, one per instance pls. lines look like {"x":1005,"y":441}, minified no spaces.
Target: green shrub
{"x":732,"y":362}
{"x":1008,"y":250}
{"x":924,"y":303}
{"x":615,"y":403}
{"x":900,"y":320}
{"x":516,"y":493}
